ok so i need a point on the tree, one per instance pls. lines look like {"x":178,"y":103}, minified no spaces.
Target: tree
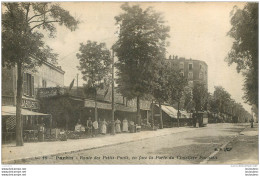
{"x":141,"y":43}
{"x":175,"y":87}
{"x":200,"y":96}
{"x":222,"y":98}
{"x":95,"y":65}
{"x":159,"y":86}
{"x":244,"y":51}
{"x":22,"y":43}
{"x":187,"y":99}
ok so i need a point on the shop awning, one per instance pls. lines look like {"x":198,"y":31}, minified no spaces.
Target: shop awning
{"x":172,"y":112}
{"x":11,"y":111}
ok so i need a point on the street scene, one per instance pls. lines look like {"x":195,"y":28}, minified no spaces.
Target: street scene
{"x":129,"y":83}
{"x":188,"y":146}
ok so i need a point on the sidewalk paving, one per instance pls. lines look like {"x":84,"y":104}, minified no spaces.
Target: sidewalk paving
{"x":244,"y":149}
{"x":11,"y":153}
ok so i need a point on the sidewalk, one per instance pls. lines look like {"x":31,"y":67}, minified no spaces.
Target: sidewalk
{"x":11,"y":153}
{"x":244,"y":149}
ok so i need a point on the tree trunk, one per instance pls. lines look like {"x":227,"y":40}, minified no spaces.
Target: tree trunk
{"x":161,"y":120}
{"x":178,"y":114}
{"x":67,"y":120}
{"x":138,"y":111}
{"x":19,"y":132}
{"x":152,"y":123}
{"x":96,"y":112}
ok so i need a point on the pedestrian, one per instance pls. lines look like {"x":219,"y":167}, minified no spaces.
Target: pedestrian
{"x":125,"y":125}
{"x":99,"y":126}
{"x":197,"y":123}
{"x":95,"y":126}
{"x":132,"y":127}
{"x":109,"y":126}
{"x":118,"y":128}
{"x":252,"y":123}
{"x":78,"y":126}
{"x":104,"y":127}
{"x":41,"y":130}
{"x":89,"y":127}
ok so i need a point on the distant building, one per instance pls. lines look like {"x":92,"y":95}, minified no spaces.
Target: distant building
{"x":193,"y":70}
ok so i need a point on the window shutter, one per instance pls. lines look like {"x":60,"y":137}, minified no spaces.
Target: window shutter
{"x":32,"y":85}
{"x":28,"y":83}
{"x":24,"y":84}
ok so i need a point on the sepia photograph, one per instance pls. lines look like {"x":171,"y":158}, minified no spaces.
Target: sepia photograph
{"x":129,"y":83}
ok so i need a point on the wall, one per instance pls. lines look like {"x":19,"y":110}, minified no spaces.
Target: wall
{"x":7,"y":82}
{"x":53,"y":77}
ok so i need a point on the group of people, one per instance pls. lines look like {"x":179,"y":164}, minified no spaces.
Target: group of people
{"x":103,"y":127}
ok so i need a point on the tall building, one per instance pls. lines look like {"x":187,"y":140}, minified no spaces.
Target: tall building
{"x":193,"y":70}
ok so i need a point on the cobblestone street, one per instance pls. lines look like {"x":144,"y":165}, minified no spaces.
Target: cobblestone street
{"x":189,"y":147}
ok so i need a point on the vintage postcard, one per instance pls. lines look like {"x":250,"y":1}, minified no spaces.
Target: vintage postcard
{"x":129,"y":83}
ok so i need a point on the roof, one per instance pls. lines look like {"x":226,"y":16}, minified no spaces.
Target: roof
{"x":103,"y":105}
{"x":11,"y":111}
{"x":186,"y":60}
{"x":105,"y":96}
{"x":172,"y":112}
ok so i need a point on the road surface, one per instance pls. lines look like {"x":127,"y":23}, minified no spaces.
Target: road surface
{"x":191,"y":147}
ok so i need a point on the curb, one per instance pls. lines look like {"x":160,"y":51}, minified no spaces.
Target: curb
{"x":205,"y":161}
{"x":80,"y":150}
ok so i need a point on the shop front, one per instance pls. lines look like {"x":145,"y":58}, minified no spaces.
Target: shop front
{"x":34,"y":124}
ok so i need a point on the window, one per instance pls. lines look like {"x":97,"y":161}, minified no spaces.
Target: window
{"x":190,"y":75}
{"x":200,"y":66}
{"x":44,"y":83}
{"x":181,"y":65}
{"x":200,"y":76}
{"x":182,"y":73}
{"x":190,"y":66}
{"x":28,"y":84}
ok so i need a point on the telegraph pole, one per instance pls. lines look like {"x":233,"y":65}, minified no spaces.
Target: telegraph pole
{"x":77,"y":84}
{"x":113,"y":103}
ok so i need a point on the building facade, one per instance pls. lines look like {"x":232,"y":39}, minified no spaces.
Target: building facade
{"x":193,"y":70}
{"x":47,"y":75}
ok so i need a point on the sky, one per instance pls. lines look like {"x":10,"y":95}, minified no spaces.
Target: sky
{"x":198,"y":31}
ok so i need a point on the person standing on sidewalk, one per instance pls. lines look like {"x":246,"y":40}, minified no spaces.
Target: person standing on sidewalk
{"x":99,"y":126}
{"x":125,"y":125}
{"x":104,"y":127}
{"x":252,"y":123}
{"x":132,"y":126}
{"x":89,"y":127}
{"x":95,"y":126}
{"x":118,"y":128}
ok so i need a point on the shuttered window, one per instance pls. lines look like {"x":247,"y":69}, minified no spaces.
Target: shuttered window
{"x":32,"y":85}
{"x":28,"y":84}
{"x":25,"y":84}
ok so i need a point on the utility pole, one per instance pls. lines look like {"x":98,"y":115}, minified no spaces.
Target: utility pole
{"x":77,"y":84}
{"x":113,"y":103}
